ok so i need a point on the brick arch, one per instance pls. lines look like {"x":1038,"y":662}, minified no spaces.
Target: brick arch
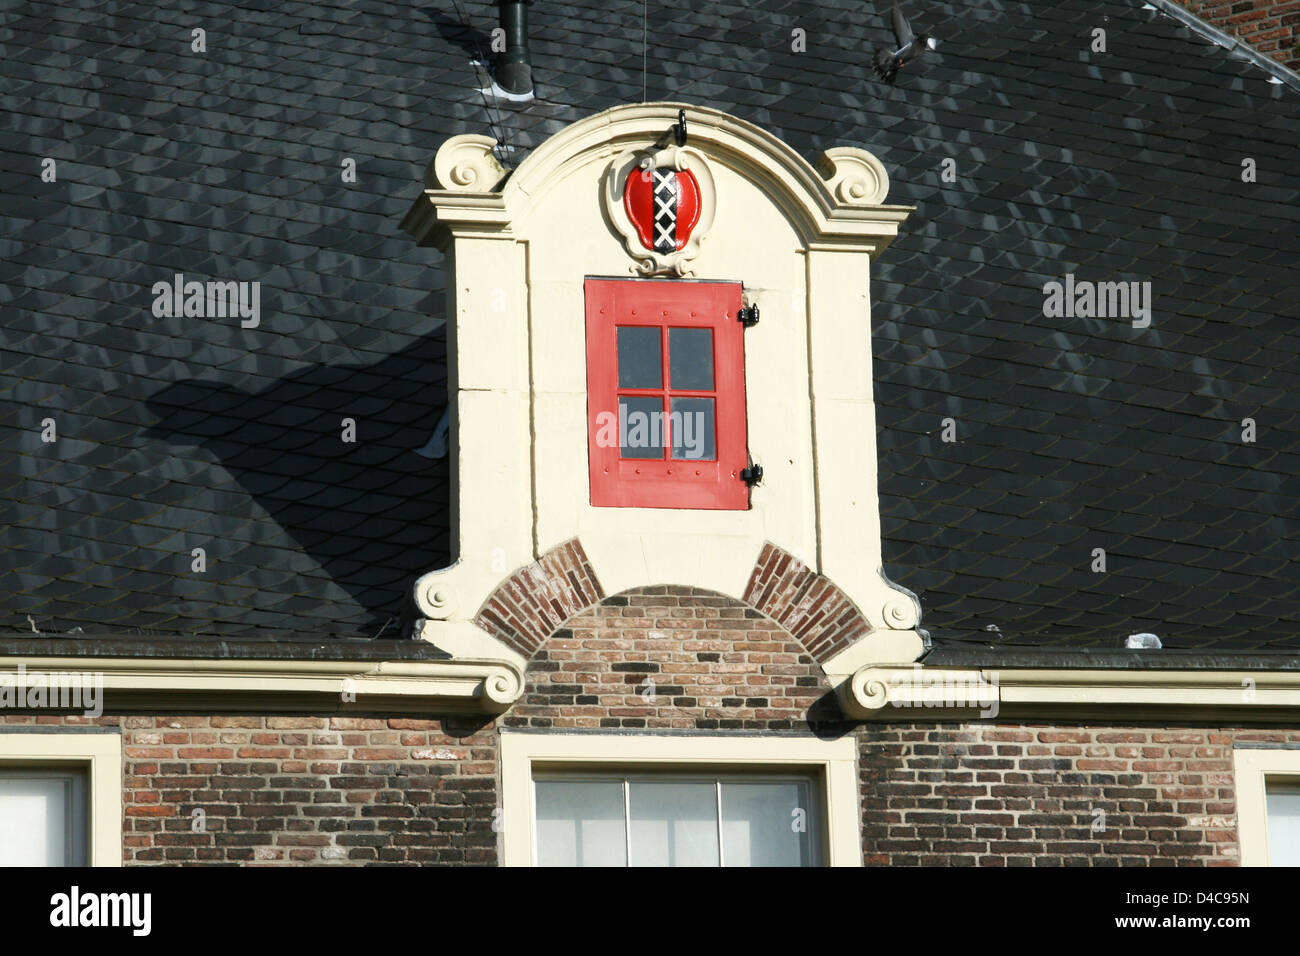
{"x":672,"y":657}
{"x":539,"y":598}
{"x":532,"y":603}
{"x":808,"y":604}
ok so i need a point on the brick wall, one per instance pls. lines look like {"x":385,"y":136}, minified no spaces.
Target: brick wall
{"x":714,"y":662}
{"x":1009,"y":794}
{"x":304,"y":790}
{"x":1270,"y":27}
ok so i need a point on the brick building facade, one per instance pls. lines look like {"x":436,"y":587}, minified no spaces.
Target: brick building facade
{"x":579,"y":502}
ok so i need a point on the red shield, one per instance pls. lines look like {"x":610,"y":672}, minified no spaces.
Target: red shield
{"x":664,"y":206}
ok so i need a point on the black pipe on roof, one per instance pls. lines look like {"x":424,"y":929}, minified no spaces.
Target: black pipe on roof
{"x":514,"y":65}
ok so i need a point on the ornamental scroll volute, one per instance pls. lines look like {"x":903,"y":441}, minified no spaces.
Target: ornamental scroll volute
{"x":662,"y":203}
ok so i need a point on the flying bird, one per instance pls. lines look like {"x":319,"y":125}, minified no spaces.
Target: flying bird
{"x":910,"y":46}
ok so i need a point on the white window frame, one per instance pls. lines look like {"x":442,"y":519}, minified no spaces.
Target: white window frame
{"x":76,"y":821}
{"x":99,"y":756}
{"x":1253,"y":769}
{"x":832,"y":764}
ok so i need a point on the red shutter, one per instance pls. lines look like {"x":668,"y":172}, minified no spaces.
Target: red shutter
{"x":674,"y":476}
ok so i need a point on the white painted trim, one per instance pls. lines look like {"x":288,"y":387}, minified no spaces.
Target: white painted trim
{"x":916,"y":692}
{"x":101,"y":756}
{"x":835,"y":761}
{"x":1251,"y":769}
{"x":465,"y":684}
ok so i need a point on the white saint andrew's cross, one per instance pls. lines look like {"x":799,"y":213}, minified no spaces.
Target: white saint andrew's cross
{"x":667,"y":194}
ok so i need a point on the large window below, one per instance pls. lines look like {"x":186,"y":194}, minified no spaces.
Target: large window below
{"x":678,"y":799}
{"x":647,"y":819}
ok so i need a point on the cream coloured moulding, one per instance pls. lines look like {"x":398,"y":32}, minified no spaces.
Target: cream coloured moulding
{"x":277,"y":686}
{"x":519,"y":245}
{"x":915,"y":692}
{"x":1252,"y":769}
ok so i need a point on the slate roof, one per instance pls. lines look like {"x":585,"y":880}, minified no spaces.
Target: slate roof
{"x":1074,"y":434}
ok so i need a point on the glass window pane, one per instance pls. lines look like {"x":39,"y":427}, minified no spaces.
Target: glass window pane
{"x":1283,"y":803}
{"x":767,"y":824}
{"x":641,"y":426}
{"x":674,"y":823}
{"x":42,"y":819}
{"x":690,"y":358}
{"x":693,"y":429}
{"x":640,"y":362}
{"x":580,"y":823}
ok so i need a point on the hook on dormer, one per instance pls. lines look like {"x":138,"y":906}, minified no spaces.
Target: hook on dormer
{"x":679,"y":130}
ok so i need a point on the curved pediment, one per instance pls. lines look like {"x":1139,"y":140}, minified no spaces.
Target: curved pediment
{"x":839,"y":200}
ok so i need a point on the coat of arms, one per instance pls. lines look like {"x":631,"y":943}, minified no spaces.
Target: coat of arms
{"x":662,"y":203}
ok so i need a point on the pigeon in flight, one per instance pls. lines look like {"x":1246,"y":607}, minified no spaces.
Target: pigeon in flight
{"x":910,"y":46}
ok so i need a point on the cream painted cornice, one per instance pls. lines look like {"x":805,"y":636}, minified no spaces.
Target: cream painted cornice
{"x":445,"y":214}
{"x":837,"y":203}
{"x":407,"y":686}
{"x":920,"y":693}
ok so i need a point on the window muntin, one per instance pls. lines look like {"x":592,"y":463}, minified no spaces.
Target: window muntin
{"x":649,"y":819}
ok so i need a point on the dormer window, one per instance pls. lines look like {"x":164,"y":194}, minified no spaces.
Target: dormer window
{"x":666,"y":394}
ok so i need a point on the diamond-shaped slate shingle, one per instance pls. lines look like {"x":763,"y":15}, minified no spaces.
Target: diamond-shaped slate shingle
{"x":1072,"y":434}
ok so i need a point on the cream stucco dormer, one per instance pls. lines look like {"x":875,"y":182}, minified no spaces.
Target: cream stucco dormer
{"x":795,"y":240}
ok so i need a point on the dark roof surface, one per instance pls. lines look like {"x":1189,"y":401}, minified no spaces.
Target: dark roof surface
{"x":1074,"y":434}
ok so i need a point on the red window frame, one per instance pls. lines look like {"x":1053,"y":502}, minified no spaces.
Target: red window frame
{"x":619,"y":482}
